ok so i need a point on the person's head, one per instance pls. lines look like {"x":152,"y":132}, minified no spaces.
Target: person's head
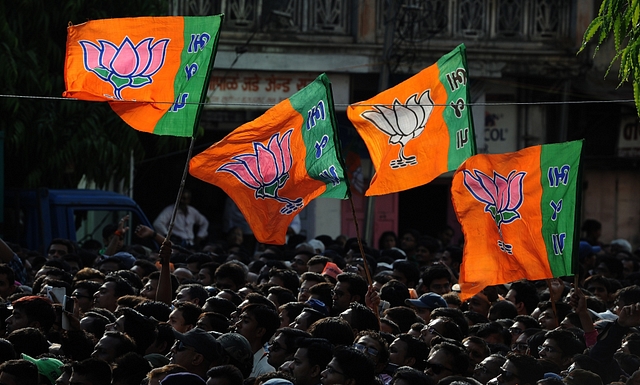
{"x":113,"y":345}
{"x":219,"y":305}
{"x":154,"y":376}
{"x":31,"y":311}
{"x":425,"y":304}
{"x":524,"y":295}
{"x":394,"y":292}
{"x":360,"y":317}
{"x":350,"y":288}
{"x":489,"y":368}
{"x":442,"y":327}
{"x":307,"y":280}
{"x":257,"y":324}
{"x":30,"y":341}
{"x":592,"y":229}
{"x":230,"y":275}
{"x":92,"y":371}
{"x":285,"y":278}
{"x":406,"y":272}
{"x":284,"y":345}
{"x":83,"y":292}
{"x":626,"y":296}
{"x":19,"y":372}
{"x":309,"y":360}
{"x":559,"y":347}
{"x":140,"y":328}
{"x":387,"y":240}
{"x":224,"y":375}
{"x":213,"y":322}
{"x":599,"y":286}
{"x":322,"y":292}
{"x":477,"y":349}
{"x":436,"y":279}
{"x":406,"y":350}
{"x":280,"y":296}
{"x":7,"y":281}
{"x":59,"y":247}
{"x":192,"y":292}
{"x":402,"y":316}
{"x":374,"y":346}
{"x":335,"y":329}
{"x":237,"y":352}
{"x":317,"y":263}
{"x":446,"y":359}
{"x":300,"y":260}
{"x":502,"y":310}
{"x":196,"y":351}
{"x":306,"y":318}
{"x":348,"y":366}
{"x":406,"y":375}
{"x":184,"y":316}
{"x":520,"y":369}
{"x":113,"y":288}
{"x":547,"y":319}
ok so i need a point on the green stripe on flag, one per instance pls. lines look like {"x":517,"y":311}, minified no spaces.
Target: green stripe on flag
{"x":457,"y":114}
{"x":323,"y":161}
{"x":196,"y":61}
{"x":559,"y":166}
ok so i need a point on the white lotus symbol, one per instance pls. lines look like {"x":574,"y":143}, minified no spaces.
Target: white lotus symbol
{"x":402,"y":122}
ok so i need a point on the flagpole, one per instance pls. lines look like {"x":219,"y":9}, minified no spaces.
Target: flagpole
{"x":367,"y":270}
{"x":182,"y":183}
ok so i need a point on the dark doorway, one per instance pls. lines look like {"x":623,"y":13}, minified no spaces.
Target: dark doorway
{"x":425,"y":208}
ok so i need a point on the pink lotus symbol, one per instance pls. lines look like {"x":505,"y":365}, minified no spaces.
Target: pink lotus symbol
{"x":266,"y":170}
{"x":125,"y":65}
{"x":502,"y":196}
{"x":402,"y":122}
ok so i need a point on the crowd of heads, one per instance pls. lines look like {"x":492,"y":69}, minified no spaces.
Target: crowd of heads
{"x":319,"y":311}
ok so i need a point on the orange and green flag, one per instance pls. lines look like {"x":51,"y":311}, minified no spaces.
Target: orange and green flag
{"x":153,"y":71}
{"x":420,"y":128}
{"x":518,"y":214}
{"x":273,"y":166}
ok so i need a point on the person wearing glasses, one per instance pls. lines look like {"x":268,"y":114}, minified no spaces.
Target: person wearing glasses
{"x":446,"y":359}
{"x":376,"y":348}
{"x":489,"y":368}
{"x":520,"y":369}
{"x":349,"y":367}
{"x":197,"y":351}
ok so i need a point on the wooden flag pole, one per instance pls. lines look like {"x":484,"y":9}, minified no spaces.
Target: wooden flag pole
{"x":367,"y":270}
{"x":182,"y":183}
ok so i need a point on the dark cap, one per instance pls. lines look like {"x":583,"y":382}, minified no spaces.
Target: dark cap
{"x":318,"y":306}
{"x":427,"y":301}
{"x":237,"y":347}
{"x":202,"y":342}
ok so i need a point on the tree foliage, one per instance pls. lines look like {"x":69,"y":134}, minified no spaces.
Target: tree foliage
{"x":619,"y":19}
{"x":51,"y":142}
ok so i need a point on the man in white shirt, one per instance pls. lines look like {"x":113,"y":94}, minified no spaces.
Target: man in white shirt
{"x":186,"y":218}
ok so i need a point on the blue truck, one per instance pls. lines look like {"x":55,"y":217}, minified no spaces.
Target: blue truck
{"x":33,"y":217}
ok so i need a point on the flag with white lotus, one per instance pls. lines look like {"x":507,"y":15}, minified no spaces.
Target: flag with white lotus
{"x":273,"y":166}
{"x":518,"y":213}
{"x":153,"y":71}
{"x":419,"y":129}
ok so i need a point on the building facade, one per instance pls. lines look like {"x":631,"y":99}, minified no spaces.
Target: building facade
{"x":529,"y":86}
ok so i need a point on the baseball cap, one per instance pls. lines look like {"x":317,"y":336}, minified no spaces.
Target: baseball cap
{"x":202,"y":342}
{"x":48,"y":367}
{"x":332,"y":270}
{"x":585,"y":249}
{"x":428,"y":301}
{"x":319,"y":306}
{"x":238,"y":348}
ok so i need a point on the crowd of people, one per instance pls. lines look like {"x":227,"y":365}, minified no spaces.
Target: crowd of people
{"x":315,"y":311}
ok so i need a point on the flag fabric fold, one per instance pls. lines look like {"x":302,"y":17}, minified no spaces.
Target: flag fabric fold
{"x":153,"y":71}
{"x":518,"y":215}
{"x":420,"y":128}
{"x":273,"y":166}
